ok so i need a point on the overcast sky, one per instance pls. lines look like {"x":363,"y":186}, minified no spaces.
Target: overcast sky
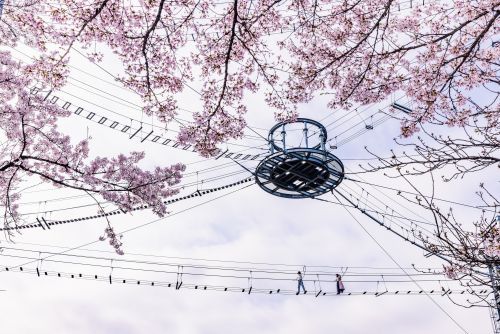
{"x":249,"y":225}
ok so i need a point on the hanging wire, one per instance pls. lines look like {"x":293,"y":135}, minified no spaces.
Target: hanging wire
{"x":414,"y":281}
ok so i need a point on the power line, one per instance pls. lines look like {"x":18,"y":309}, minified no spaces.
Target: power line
{"x":192,"y":184}
{"x":398,"y":203}
{"x":148,"y":223}
{"x":180,"y":186}
{"x":187,"y":164}
{"x":205,"y":272}
{"x":402,"y":219}
{"x":396,"y":263}
{"x":132,"y":105}
{"x":387,"y":207}
{"x":151,"y":136}
{"x":406,"y":238}
{"x":413,"y":193}
{"x":238,"y":269}
{"x":212,"y":260}
{"x":239,"y":289}
{"x":39,"y":224}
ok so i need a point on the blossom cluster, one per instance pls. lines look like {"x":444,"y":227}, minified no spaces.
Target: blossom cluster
{"x":34,"y":146}
{"x":114,"y":239}
{"x":354,"y":52}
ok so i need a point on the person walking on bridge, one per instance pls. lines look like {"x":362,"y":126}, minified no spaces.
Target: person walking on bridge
{"x":340,"y":285}
{"x":300,"y":283}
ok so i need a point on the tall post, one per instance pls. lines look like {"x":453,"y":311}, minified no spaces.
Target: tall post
{"x":271,"y":143}
{"x":322,"y":143}
{"x":306,"y":135}
{"x":494,"y":270}
{"x":283,"y":135}
{"x":495,"y":287}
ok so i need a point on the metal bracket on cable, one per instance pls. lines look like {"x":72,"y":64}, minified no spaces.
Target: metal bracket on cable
{"x":40,"y":223}
{"x":250,"y":283}
{"x":178,"y":284}
{"x":319,"y":286}
{"x":46,"y":224}
{"x":402,"y":108}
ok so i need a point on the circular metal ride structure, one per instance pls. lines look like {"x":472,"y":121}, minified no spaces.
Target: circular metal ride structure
{"x":299,"y":165}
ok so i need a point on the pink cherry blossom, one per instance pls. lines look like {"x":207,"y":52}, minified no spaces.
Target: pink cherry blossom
{"x":35,"y":147}
{"x":355,"y":52}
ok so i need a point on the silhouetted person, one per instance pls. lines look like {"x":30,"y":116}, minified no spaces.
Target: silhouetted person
{"x":300,"y":283}
{"x":340,"y":285}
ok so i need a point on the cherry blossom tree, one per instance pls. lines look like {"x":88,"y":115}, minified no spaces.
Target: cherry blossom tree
{"x":473,"y":247}
{"x":32,"y":145}
{"x":442,"y":55}
{"x":472,"y":150}
{"x":355,"y":51}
